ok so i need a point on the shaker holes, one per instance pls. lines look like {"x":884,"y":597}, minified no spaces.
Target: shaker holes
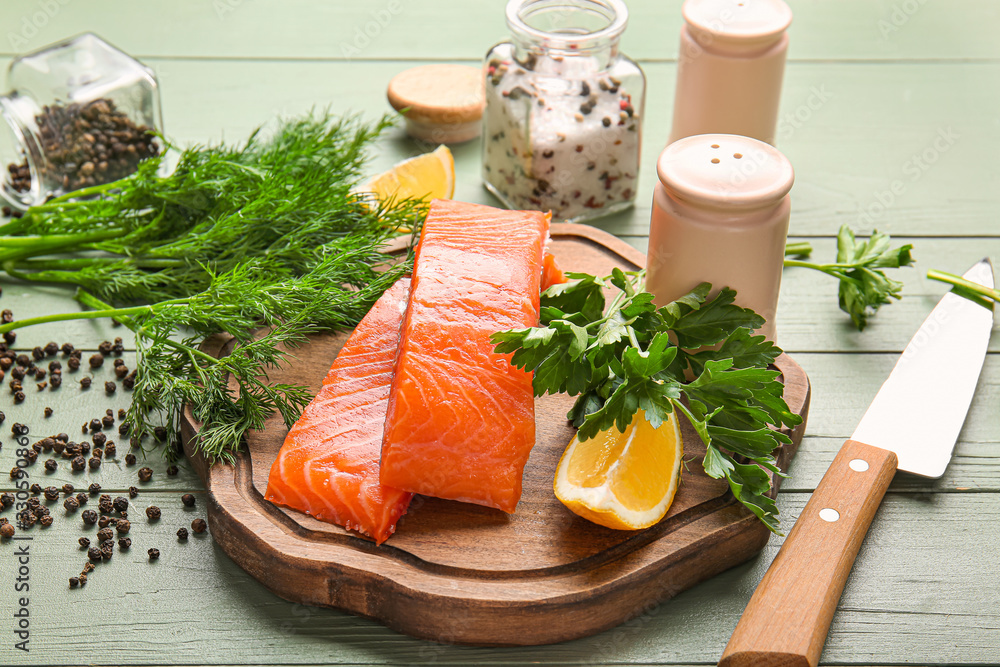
{"x":715,"y":160}
{"x":737,"y":155}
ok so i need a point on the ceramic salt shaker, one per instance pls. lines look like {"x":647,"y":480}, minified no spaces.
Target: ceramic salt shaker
{"x":730,"y":68}
{"x":720,"y":215}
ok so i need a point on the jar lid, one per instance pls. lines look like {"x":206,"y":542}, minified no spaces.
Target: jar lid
{"x":440,"y":99}
{"x":725,"y":171}
{"x":743,"y":22}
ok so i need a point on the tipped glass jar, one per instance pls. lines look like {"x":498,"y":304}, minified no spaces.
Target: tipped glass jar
{"x":562,"y":128}
{"x":78,"y":114}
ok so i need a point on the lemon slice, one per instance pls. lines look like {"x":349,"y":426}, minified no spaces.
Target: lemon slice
{"x":431,"y":175}
{"x":621,"y":480}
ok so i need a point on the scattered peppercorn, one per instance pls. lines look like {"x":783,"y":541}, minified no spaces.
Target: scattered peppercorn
{"x":105,"y":505}
{"x":145,"y":474}
{"x":98,"y":452}
{"x":51,"y":493}
{"x":124,"y":428}
{"x":129,"y":381}
{"x":107,"y":420}
{"x":110,"y":387}
{"x":10,"y":337}
{"x":182,"y":534}
{"x":104,"y":522}
{"x":154,"y":554}
{"x":6,"y":500}
{"x":105,"y":347}
{"x":55,"y":381}
{"x":199,"y":526}
{"x":99,"y":439}
{"x":130,"y":459}
{"x":94,"y":488}
{"x":73,"y":363}
{"x":121,"y":371}
{"x":36,"y":488}
{"x":160,"y":433}
{"x":107,"y":550}
{"x":46,"y":520}
{"x":47,"y":412}
{"x":71,"y":504}
{"x":110,"y":451}
{"x":121,"y":504}
{"x":172,"y":471}
{"x":153,"y":513}
{"x":95,"y":425}
{"x":133,"y":492}
{"x":125,"y":543}
{"x":68,"y":489}
{"x":7,"y":531}
{"x":188,"y":500}
{"x":96,"y":361}
{"x":79,"y":463}
{"x":18,"y":396}
{"x":85,"y":382}
{"x":87,"y":567}
{"x":105,"y":534}
{"x":94,"y":463}
{"x":82,"y":498}
{"x":16,"y":473}
{"x":51,"y":465}
{"x":83,"y":577}
{"x":94,"y":554}
{"x":74,"y":582}
{"x":121,"y":414}
{"x":84,"y":542}
{"x":31,"y":455}
{"x":123,"y":527}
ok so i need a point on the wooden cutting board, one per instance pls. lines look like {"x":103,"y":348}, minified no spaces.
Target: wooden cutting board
{"x":460,"y":573}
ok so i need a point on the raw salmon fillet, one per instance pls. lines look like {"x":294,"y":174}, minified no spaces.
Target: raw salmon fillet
{"x":461,"y":419}
{"x":328,"y":466}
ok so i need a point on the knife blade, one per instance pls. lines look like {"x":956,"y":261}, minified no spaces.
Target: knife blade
{"x":912,"y":424}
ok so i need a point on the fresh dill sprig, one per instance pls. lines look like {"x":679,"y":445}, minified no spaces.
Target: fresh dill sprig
{"x":266,"y":242}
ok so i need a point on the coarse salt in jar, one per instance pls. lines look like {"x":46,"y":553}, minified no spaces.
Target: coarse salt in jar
{"x":720,"y":215}
{"x":78,"y":114}
{"x":562,"y":127}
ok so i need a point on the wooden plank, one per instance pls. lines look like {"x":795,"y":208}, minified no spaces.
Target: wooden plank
{"x":432,"y":29}
{"x":196,"y":607}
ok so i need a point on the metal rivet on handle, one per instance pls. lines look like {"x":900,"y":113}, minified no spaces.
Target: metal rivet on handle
{"x":829,"y":514}
{"x":859,"y":465}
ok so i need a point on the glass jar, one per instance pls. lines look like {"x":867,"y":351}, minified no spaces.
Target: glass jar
{"x":562,"y":127}
{"x":78,"y":114}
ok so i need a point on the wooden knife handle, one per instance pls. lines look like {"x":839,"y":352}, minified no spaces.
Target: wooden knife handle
{"x":789,"y":615}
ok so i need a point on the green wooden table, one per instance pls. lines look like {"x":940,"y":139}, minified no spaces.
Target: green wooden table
{"x":879,"y":96}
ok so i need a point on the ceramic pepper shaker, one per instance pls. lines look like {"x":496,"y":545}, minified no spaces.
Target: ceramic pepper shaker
{"x":730,"y":68}
{"x":720,"y":215}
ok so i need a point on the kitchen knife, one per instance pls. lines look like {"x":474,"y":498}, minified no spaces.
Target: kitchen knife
{"x":911,"y":425}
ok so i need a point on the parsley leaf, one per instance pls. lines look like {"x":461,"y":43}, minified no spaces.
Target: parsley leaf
{"x":864,"y":287}
{"x":630,"y":355}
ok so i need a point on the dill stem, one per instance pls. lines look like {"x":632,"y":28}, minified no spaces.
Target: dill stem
{"x":44,"y":245}
{"x":83,"y":315}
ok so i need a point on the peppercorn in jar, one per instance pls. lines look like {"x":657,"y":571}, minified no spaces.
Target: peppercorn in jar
{"x":79,"y":114}
{"x":562,"y":126}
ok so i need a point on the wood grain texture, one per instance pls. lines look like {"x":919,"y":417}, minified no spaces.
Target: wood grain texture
{"x":461,"y":573}
{"x":785,"y":624}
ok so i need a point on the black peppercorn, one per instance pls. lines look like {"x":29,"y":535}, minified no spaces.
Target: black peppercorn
{"x":160,"y":433}
{"x":99,"y":439}
{"x":110,"y":450}
{"x":130,"y":459}
{"x":94,"y":554}
{"x":107,"y":420}
{"x":38,"y":353}
{"x":71,"y":505}
{"x":82,"y":498}
{"x":105,"y":347}
{"x":172,"y":470}
{"x":121,"y":371}
{"x":133,"y":492}
{"x":87,"y":567}
{"x":124,"y":428}
{"x":123,"y":527}
{"x":154,"y":554}
{"x":36,"y":488}
{"x":68,"y":489}
{"x":22,"y":360}
{"x":51,"y":493}
{"x":95,"y":425}
{"x":51,"y":348}
{"x":188,"y":500}
{"x":47,"y":412}
{"x":55,"y":381}
{"x":129,"y":381}
{"x":125,"y":543}
{"x":199,"y":526}
{"x":83,"y":577}
{"x":105,"y":505}
{"x":73,"y":363}
{"x":67,"y":349}
{"x":9,"y":337}
{"x":98,"y":452}
{"x":96,"y":361}
{"x":182,"y":534}
{"x":110,"y":387}
{"x":107,"y":550}
{"x":94,"y":488}
{"x":31,"y":455}
{"x":145,"y":474}
{"x":46,"y":521}
{"x":85,"y":382}
{"x":94,"y":463}
{"x":153,"y":513}
{"x":16,"y":473}
{"x":54,"y":366}
{"x":59,"y":446}
{"x":105,"y":534}
{"x":19,"y":429}
{"x":121,"y":504}
{"x":104,"y":522}
{"x":74,"y":582}
{"x":6,"y":500}
{"x":7,"y":531}
{"x":51,"y":465}
{"x":84,"y":542}
{"x":79,"y":463}
{"x":18,"y":396}
{"x":121,"y":414}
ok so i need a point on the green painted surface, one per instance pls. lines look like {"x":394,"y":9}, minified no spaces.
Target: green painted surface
{"x":869,"y":86}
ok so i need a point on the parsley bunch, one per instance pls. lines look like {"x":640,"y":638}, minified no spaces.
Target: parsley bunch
{"x":864,"y":287}
{"x":632,"y":356}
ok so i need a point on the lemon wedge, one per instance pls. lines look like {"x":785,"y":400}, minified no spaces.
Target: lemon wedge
{"x":625,"y":481}
{"x":430,"y":175}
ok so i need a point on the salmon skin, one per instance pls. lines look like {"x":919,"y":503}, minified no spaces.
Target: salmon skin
{"x":461,"y":420}
{"x":328,"y":466}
